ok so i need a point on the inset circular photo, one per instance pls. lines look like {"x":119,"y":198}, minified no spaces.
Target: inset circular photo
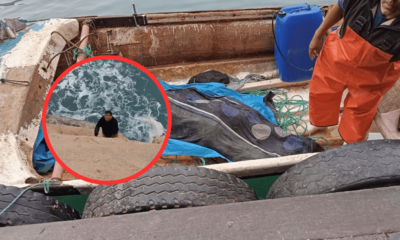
{"x":106,"y":120}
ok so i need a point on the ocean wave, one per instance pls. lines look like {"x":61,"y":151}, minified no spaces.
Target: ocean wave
{"x":88,"y":91}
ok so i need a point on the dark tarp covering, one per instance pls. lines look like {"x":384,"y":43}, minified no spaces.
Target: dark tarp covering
{"x":210,"y":76}
{"x":230,"y":82}
{"x":230,"y":127}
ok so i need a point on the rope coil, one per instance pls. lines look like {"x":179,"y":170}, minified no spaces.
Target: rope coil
{"x":86,"y":50}
{"x":290,"y":112}
{"x":72,"y":48}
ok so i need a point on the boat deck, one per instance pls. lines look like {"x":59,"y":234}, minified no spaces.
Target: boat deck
{"x":365,"y":214}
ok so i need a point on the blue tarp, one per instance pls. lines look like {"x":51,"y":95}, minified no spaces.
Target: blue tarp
{"x":219,"y":89}
{"x":178,"y":147}
{"x":42,"y":159}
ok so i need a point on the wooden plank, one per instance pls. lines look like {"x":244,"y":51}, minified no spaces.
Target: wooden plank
{"x":257,"y":167}
{"x":211,"y":16}
{"x":387,"y":123}
{"x":273,"y":83}
{"x":344,"y":215}
{"x":391,"y":100}
{"x":374,"y":128}
{"x":214,"y":15}
{"x":81,"y":186}
{"x":232,"y":67}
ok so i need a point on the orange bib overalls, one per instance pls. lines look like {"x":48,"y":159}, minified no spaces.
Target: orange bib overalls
{"x":352,"y":63}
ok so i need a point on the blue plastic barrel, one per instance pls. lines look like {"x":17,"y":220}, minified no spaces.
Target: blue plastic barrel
{"x":293,"y":32}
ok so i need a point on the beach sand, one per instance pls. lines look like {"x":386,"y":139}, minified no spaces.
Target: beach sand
{"x":98,"y":157}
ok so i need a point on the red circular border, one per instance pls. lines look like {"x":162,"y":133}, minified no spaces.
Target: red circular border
{"x":148,"y":73}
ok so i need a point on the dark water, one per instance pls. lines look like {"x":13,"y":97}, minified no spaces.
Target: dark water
{"x":43,"y":9}
{"x":134,"y":99}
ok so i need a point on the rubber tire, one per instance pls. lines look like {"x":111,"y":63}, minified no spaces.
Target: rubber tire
{"x":32,"y":208}
{"x":350,"y":167}
{"x":165,"y":188}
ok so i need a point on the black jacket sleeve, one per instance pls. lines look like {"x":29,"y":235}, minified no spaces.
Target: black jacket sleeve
{"x":115,"y":128}
{"x":98,"y":125}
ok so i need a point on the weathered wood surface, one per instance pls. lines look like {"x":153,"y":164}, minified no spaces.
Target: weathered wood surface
{"x":251,"y":168}
{"x":21,"y":106}
{"x":366,"y":214}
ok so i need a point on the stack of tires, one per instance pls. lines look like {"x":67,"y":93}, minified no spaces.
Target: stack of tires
{"x":32,"y":207}
{"x":351,"y":167}
{"x":356,"y":166}
{"x":166,"y":188}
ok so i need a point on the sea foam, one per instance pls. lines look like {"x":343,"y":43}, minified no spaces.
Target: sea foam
{"x":88,"y":91}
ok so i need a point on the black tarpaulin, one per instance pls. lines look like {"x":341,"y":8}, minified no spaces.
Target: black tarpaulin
{"x":230,"y":127}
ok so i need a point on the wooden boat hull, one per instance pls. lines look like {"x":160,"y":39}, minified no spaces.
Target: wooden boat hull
{"x":174,"y":47}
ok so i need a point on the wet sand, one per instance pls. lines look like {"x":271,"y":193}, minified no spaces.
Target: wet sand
{"x":98,"y":157}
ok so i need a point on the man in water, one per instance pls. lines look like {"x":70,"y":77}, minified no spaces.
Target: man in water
{"x":108,"y":124}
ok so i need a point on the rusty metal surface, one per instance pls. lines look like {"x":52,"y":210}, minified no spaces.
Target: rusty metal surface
{"x":190,"y":37}
{"x":170,"y":41}
{"x":199,"y":16}
{"x":173,"y":41}
{"x":206,"y":16}
{"x":176,"y":38}
{"x":347,"y":215}
{"x":118,"y":21}
{"x":191,"y":43}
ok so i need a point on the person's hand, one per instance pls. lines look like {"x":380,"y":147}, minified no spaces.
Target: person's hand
{"x":315,"y":47}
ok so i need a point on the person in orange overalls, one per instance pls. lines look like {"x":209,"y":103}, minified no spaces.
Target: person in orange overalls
{"x":363,"y":56}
